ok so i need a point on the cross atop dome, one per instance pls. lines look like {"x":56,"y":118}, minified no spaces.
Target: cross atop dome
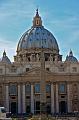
{"x":37,"y":14}
{"x":37,"y":20}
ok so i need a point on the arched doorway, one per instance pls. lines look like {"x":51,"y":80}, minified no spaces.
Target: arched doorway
{"x":63,"y":107}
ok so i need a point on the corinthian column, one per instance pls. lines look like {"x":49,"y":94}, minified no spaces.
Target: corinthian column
{"x":52,"y":98}
{"x":69,"y":97}
{"x":23,"y":100}
{"x":57,"y":103}
{"x":19,"y":99}
{"x":7,"y":98}
{"x":32,"y":99}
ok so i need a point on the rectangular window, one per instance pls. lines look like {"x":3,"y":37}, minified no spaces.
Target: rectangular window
{"x":27,"y":69}
{"x":1,"y":70}
{"x":48,"y":88}
{"x":62,"y":88}
{"x":13,"y":90}
{"x":27,"y":97}
{"x":37,"y":88}
{"x":47,"y":69}
{"x":13,"y":70}
{"x":61,"y":69}
{"x":74,"y":69}
{"x":1,"y":89}
{"x":48,"y":97}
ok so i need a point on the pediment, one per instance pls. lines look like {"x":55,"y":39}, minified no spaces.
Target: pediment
{"x":36,"y":71}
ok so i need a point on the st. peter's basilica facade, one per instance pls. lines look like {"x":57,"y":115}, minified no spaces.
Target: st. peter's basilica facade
{"x":38,"y":80}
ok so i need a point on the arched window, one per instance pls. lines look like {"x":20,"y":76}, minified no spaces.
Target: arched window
{"x":28,"y":88}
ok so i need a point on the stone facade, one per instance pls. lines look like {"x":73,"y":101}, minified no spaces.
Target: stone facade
{"x":38,"y":80}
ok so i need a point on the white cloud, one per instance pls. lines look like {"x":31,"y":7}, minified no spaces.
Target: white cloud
{"x":13,"y":8}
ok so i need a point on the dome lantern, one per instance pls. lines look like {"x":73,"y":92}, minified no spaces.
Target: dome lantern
{"x":5,"y":59}
{"x":37,"y":20}
{"x":71,"y":58}
{"x":4,"y":54}
{"x":71,"y":53}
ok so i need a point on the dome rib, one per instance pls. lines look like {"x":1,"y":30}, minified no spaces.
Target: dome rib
{"x":38,"y":37}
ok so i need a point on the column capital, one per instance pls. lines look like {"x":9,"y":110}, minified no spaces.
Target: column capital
{"x":32,"y":83}
{"x":53,"y":83}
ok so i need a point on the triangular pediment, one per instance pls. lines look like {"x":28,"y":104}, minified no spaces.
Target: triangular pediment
{"x":36,"y":71}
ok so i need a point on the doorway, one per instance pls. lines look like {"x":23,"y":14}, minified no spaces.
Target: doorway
{"x":37,"y":107}
{"x":62,"y":107}
{"x":48,"y":109}
{"x":13,"y":107}
{"x":28,"y":109}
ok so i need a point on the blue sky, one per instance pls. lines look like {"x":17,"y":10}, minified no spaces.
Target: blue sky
{"x":61,"y":17}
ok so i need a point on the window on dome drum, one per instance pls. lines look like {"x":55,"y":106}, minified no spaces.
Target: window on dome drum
{"x":74,"y":69}
{"x":28,"y":58}
{"x":48,"y":88}
{"x":1,"y":70}
{"x":53,"y":58}
{"x":43,"y":33}
{"x":37,"y":88}
{"x":13,"y":90}
{"x":28,"y":88}
{"x":46,"y":57}
{"x":62,"y":88}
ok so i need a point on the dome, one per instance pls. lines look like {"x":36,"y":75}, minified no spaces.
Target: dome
{"x":71,"y":58}
{"x":37,"y":37}
{"x":5,"y":59}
